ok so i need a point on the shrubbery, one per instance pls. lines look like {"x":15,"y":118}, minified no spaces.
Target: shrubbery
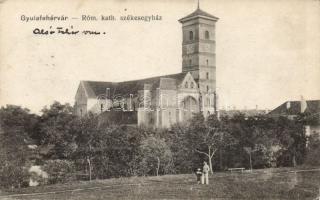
{"x":13,"y":175}
{"x":59,"y":171}
{"x":68,"y":144}
{"x":313,"y":151}
{"x":156,"y":157}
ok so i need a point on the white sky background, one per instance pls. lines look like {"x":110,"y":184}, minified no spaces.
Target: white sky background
{"x":267,"y":52}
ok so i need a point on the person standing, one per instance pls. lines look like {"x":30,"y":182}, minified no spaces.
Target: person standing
{"x":205,"y":172}
{"x":199,"y":175}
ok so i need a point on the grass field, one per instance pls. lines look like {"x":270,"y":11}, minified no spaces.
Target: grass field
{"x":260,"y":184}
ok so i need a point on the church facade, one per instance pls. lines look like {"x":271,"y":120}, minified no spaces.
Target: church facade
{"x":164,"y":100}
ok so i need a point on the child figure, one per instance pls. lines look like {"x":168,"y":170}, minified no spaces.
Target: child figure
{"x":199,"y":175}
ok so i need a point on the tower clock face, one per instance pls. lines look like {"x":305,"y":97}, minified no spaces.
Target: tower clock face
{"x":190,"y":49}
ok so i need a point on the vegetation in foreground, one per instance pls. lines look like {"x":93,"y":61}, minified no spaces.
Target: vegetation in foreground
{"x":261,"y":184}
{"x":69,"y":148}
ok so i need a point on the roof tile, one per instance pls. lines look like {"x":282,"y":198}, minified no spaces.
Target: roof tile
{"x":96,"y":88}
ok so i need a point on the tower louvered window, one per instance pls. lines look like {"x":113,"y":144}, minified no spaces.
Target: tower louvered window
{"x":190,"y":35}
{"x":207,"y":35}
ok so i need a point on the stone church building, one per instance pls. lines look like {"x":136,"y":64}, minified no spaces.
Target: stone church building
{"x":164,"y":100}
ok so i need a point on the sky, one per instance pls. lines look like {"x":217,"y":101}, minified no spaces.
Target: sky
{"x":267,"y":52}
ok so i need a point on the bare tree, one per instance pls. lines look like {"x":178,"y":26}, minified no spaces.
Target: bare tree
{"x":209,"y":142}
{"x":208,"y":136}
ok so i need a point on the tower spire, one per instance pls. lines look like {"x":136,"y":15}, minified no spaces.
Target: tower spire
{"x":198,"y":4}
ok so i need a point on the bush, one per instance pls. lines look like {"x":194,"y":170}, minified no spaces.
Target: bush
{"x":313,"y":151}
{"x":60,"y":171}
{"x":13,"y":175}
{"x":156,"y":157}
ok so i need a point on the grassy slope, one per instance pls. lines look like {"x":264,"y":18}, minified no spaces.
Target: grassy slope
{"x":267,"y":184}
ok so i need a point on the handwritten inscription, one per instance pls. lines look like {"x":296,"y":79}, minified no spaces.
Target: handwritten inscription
{"x":86,"y":18}
{"x":65,"y":31}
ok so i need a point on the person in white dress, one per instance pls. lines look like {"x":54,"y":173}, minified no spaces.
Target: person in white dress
{"x":205,"y":175}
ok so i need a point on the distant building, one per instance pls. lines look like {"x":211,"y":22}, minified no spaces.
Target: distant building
{"x":164,"y":100}
{"x":246,"y":112}
{"x":292,"y":109}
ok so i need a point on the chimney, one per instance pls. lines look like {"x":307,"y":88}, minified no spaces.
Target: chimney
{"x":303,"y":105}
{"x":107,"y":93}
{"x":288,"y":105}
{"x":107,"y":99}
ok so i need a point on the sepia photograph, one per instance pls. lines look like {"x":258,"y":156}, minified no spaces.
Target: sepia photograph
{"x":159,"y":99}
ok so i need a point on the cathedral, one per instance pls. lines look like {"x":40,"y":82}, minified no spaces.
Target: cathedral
{"x":164,"y":100}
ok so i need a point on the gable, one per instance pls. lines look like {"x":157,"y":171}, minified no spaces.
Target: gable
{"x":188,"y":83}
{"x":80,"y":92}
{"x":81,"y":95}
{"x":95,"y":88}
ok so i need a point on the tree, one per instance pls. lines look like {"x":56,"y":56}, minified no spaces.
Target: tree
{"x":57,"y":130}
{"x":16,"y":125}
{"x":206,"y":137}
{"x":266,"y":143}
{"x":19,"y":119}
{"x":108,"y":150}
{"x":293,"y":140}
{"x":156,"y":156}
{"x":87,"y":139}
{"x":249,"y":151}
{"x":184,"y":157}
{"x":313,"y":151}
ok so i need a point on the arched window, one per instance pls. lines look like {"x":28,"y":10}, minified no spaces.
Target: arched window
{"x":208,"y":101}
{"x":207,"y":88}
{"x":191,"y":84}
{"x":190,"y":62}
{"x":207,"y":75}
{"x":207,"y":35}
{"x":186,"y":85}
{"x":207,"y":61}
{"x":190,"y":35}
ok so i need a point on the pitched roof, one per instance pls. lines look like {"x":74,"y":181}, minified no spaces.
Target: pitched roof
{"x":198,"y":13}
{"x":294,"y":108}
{"x":96,"y":88}
{"x":168,"y":84}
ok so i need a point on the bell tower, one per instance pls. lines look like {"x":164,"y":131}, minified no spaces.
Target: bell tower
{"x":199,"y":55}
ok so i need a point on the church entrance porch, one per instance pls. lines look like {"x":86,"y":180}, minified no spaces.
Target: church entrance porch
{"x":188,"y":106}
